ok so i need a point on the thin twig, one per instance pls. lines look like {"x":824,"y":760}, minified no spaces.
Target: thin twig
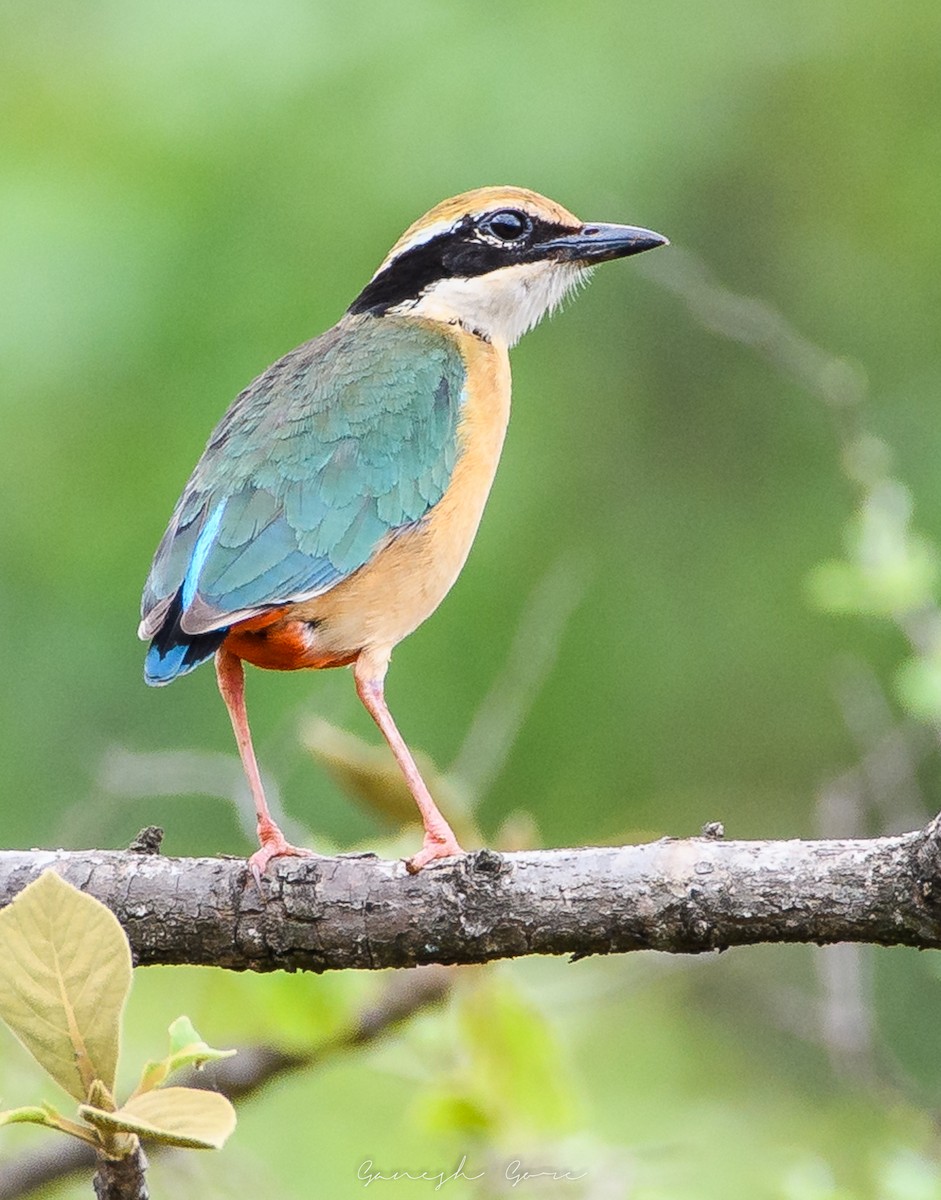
{"x":122,"y":1178}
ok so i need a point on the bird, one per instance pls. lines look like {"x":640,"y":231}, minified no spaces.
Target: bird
{"x":336,"y":501}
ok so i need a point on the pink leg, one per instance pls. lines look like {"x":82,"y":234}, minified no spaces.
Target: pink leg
{"x":231,"y":677}
{"x":440,"y":842}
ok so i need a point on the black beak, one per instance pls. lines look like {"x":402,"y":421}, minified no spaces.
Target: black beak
{"x":601,"y":243}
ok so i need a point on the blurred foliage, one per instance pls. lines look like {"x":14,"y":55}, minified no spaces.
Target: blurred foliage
{"x":189,"y":190}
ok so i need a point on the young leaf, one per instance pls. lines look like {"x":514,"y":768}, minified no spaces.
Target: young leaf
{"x":32,"y":1113}
{"x":46,"y":1115}
{"x":187,"y":1049}
{"x":177,"y":1116}
{"x":99,"y":1097}
{"x":183,"y":1035}
{"x":65,"y":971}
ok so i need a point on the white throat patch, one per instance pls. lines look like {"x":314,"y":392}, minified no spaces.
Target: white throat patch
{"x":501,"y":305}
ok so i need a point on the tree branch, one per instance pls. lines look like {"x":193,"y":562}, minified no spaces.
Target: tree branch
{"x":358,"y":911}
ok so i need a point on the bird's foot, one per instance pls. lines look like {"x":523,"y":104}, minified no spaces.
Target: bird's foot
{"x":273,"y":845}
{"x":434,"y":847}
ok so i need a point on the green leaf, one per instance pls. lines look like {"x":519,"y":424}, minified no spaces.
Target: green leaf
{"x":183,"y":1035}
{"x":518,"y":1073}
{"x":176,"y":1116}
{"x":32,"y":1113}
{"x":839,"y":587}
{"x":187,"y":1049}
{"x":889,"y":569}
{"x":99,"y":1097}
{"x":918,"y":686}
{"x":46,"y":1115}
{"x":451,"y":1112}
{"x":154,"y":1072}
{"x":65,"y":972}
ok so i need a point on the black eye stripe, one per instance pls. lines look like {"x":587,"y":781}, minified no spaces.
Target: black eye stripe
{"x":465,"y":251}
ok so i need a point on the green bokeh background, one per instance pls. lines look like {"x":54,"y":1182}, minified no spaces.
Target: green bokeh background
{"x":187,"y":190}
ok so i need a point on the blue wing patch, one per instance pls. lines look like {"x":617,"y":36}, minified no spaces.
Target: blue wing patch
{"x":200,"y":553}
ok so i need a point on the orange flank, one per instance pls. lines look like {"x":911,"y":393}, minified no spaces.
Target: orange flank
{"x":277,"y":642}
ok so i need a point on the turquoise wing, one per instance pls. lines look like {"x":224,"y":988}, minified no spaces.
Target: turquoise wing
{"x":340,"y":444}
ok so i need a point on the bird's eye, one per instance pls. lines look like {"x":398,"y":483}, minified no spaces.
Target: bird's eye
{"x":507,"y":225}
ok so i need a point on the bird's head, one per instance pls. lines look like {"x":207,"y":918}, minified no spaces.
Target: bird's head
{"x":495,"y":261}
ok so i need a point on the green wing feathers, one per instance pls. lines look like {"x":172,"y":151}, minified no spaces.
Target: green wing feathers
{"x":338,"y":445}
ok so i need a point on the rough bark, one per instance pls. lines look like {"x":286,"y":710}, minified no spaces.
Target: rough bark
{"x":358,"y":911}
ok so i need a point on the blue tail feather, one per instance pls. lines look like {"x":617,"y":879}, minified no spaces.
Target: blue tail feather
{"x":173,"y":653}
{"x":161,"y":667}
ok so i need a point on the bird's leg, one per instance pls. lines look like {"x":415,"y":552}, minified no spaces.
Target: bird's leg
{"x":369,"y":672}
{"x":231,"y":677}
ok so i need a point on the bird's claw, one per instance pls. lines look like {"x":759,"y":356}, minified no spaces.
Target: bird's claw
{"x":433,"y":849}
{"x":273,"y":845}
